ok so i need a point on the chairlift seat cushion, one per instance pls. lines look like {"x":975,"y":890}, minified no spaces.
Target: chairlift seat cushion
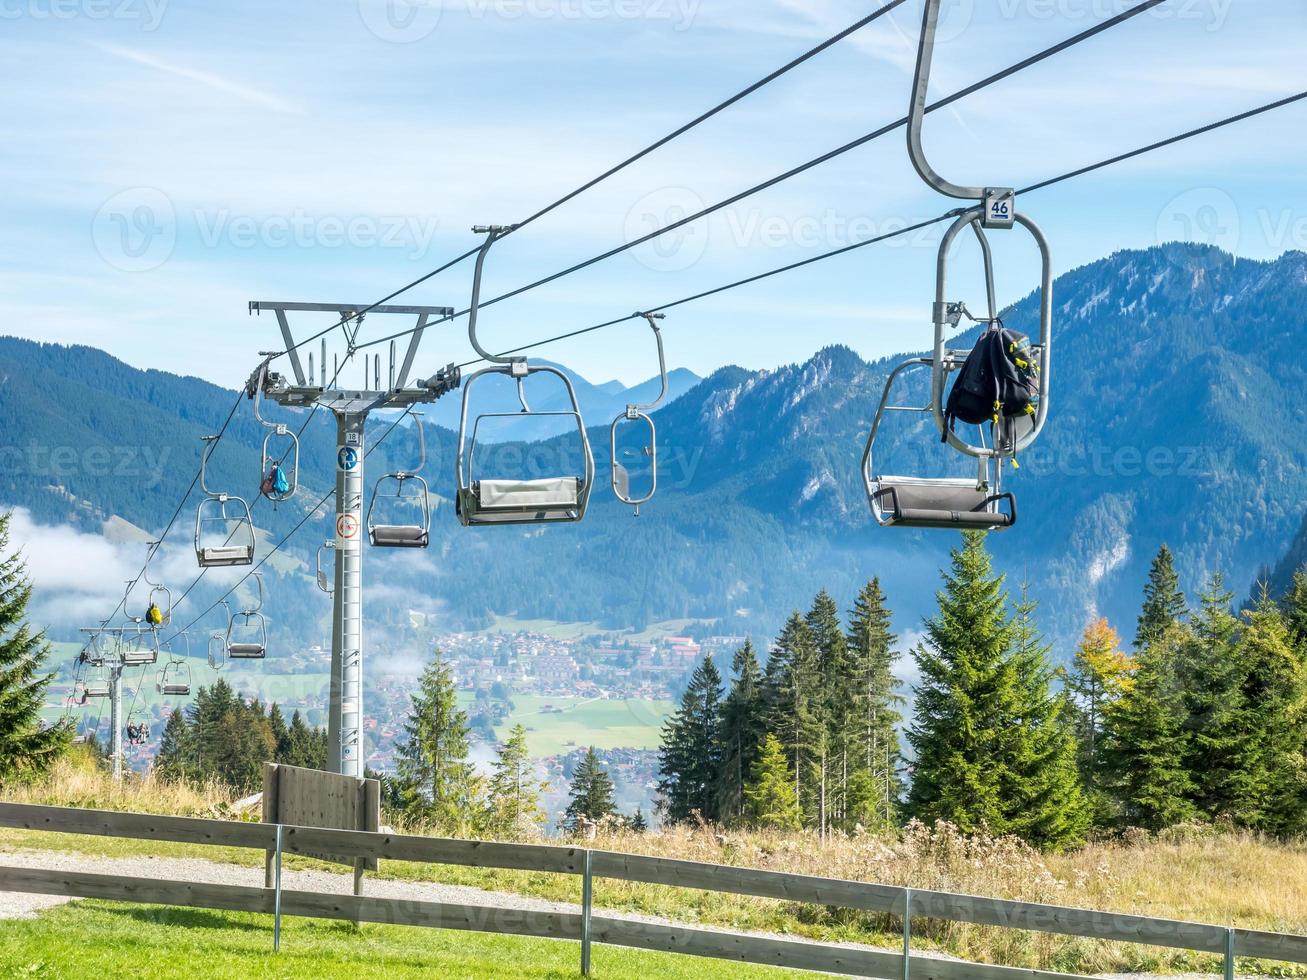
{"x":139,"y":659}
{"x":528,"y":495}
{"x":940,"y":503}
{"x":96,"y":691}
{"x":177,"y":690}
{"x":246,"y":651}
{"x":399,"y":536}
{"x":232,"y":555}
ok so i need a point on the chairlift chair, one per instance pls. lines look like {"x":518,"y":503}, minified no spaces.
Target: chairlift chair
{"x":214,"y":514}
{"x":637,"y":414}
{"x":977,"y":503}
{"x":395,"y":534}
{"x":324,"y":583}
{"x":249,"y":639}
{"x":278,"y":472}
{"x":547,"y":500}
{"x":141,"y":650}
{"x":174,"y":679}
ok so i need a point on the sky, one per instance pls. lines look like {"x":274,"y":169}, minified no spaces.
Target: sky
{"x":167,"y":161}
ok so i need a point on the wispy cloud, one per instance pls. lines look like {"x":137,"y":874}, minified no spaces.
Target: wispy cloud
{"x":208,"y":79}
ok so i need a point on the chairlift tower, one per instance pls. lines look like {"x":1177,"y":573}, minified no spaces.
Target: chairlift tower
{"x":351,"y":407}
{"x":113,"y":664}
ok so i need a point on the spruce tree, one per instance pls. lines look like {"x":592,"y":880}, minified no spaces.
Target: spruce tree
{"x":1143,"y":749}
{"x":438,"y":784}
{"x":1164,"y":603}
{"x":513,"y":799}
{"x":174,"y":748}
{"x":27,"y":748}
{"x":790,"y":690}
{"x":770,"y":800}
{"x":1210,"y":673}
{"x":1100,"y":673}
{"x":742,"y":731}
{"x":830,"y":712}
{"x":993,"y":746}
{"x":1269,"y":788}
{"x":1294,"y":606}
{"x":874,"y":716}
{"x":1051,"y":809}
{"x":280,"y":733}
{"x":690,"y":757}
{"x":591,"y":794}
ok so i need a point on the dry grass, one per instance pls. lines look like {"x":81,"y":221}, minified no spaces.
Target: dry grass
{"x":1225,"y":878}
{"x":77,"y":781}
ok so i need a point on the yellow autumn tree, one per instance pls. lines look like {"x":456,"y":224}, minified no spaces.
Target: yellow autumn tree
{"x":1100,"y":673}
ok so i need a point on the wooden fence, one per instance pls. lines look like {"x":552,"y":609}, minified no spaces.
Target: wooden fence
{"x":586,"y":927}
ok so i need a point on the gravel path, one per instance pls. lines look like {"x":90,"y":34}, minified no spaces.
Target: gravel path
{"x":14,"y":905}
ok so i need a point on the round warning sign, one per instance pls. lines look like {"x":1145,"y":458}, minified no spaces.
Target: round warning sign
{"x":347,"y":527}
{"x":347,"y":458}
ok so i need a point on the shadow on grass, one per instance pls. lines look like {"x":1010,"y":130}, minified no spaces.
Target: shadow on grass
{"x":157,"y":915}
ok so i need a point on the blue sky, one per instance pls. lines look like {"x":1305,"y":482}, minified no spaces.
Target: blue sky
{"x":168,"y":160}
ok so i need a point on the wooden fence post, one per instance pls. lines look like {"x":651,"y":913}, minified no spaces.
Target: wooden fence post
{"x":276,"y":898}
{"x":587,"y":906}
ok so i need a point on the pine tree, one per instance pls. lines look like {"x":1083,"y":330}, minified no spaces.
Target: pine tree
{"x":830,"y":712}
{"x":1100,"y":673}
{"x":438,"y":784}
{"x":26,"y":747}
{"x":770,"y":800}
{"x":513,"y":801}
{"x":638,"y":823}
{"x":742,"y":731}
{"x":690,"y":757}
{"x":1051,"y":809}
{"x":1164,"y":603}
{"x":789,"y":691}
{"x":874,"y":704}
{"x":1143,"y":749}
{"x":280,"y":733}
{"x":1294,"y":605}
{"x":992,"y":744}
{"x":1210,"y":672}
{"x":174,"y":748}
{"x":591,"y":794}
{"x":306,"y":747}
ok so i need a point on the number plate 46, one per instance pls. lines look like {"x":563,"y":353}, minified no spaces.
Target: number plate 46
{"x":1000,"y":207}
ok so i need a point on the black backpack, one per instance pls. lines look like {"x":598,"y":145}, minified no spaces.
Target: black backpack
{"x":999,"y":379}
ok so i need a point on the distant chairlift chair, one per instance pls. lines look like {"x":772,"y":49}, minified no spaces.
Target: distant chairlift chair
{"x":636,"y":414}
{"x":174,"y":679}
{"x":141,"y":650}
{"x":977,"y":503}
{"x":248,"y":639}
{"x":400,"y":534}
{"x":548,"y":500}
{"x":217,"y":543}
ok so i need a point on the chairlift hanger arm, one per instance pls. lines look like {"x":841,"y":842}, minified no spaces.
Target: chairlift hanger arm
{"x":493,"y":233}
{"x":917,"y":112}
{"x":633,"y":410}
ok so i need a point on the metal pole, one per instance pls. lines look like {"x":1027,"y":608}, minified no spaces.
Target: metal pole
{"x":907,"y":933}
{"x":116,"y":720}
{"x":587,"y":905}
{"x":1229,"y":954}
{"x":276,"y":897}
{"x":344,"y":726}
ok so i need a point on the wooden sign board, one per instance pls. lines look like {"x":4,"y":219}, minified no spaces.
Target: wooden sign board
{"x":312,"y":798}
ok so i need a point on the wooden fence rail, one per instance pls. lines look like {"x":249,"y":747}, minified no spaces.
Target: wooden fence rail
{"x":587,"y":927}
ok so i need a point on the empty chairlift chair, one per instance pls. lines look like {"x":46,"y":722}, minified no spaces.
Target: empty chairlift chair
{"x":140,"y":650}
{"x":174,"y":680}
{"x":217,"y":650}
{"x":968,"y":502}
{"x":397,"y":519}
{"x":544,"y":500}
{"x":224,"y":529}
{"x":247,"y":630}
{"x":638,"y":415}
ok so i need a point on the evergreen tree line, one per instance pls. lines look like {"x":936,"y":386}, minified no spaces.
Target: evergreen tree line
{"x":224,"y":738}
{"x":1205,"y":721}
{"x":809,"y":741}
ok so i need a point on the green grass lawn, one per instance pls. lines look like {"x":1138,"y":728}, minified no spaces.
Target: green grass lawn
{"x":605,"y":724}
{"x":104,"y":939}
